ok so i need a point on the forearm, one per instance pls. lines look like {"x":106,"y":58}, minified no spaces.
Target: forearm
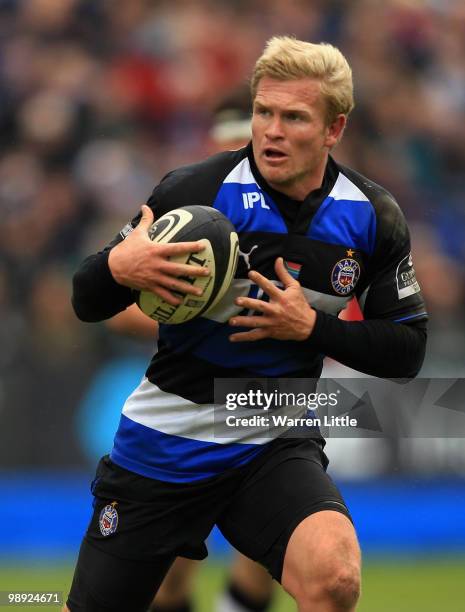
{"x":375,"y":347}
{"x":96,"y":294}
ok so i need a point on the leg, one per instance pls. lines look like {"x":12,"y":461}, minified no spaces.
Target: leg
{"x":289,"y":515}
{"x":105,"y":583}
{"x":251,"y":578}
{"x":322,"y":564}
{"x":176,"y":589}
{"x":250,"y":588}
{"x":138,"y":527}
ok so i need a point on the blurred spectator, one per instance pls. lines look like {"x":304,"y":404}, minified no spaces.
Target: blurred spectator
{"x":100,"y":100}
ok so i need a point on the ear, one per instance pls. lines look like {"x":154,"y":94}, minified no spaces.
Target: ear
{"x":335,"y":130}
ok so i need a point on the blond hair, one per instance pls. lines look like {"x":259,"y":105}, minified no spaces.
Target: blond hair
{"x":286,"y":58}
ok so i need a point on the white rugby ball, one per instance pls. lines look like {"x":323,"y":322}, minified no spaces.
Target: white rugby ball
{"x":191,"y":224}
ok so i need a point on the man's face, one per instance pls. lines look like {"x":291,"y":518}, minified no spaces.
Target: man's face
{"x":290,"y":137}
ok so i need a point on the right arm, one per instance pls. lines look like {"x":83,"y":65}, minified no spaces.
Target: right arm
{"x":104,"y":283}
{"x":134,"y":323}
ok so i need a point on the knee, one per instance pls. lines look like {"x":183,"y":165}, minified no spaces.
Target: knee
{"x":337,"y":587}
{"x":322,"y":564}
{"x":342,"y":587}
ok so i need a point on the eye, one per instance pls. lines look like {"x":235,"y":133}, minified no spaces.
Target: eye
{"x":263,"y":112}
{"x":293,"y":117}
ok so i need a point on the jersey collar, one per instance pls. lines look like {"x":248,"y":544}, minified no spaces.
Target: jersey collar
{"x":329,"y":178}
{"x":297,"y":213}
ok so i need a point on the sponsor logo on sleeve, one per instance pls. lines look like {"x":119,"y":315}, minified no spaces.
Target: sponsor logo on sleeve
{"x":127,"y":229}
{"x":407,"y":283}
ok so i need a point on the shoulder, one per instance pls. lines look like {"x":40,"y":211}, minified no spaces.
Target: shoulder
{"x":390,"y":220}
{"x":196,"y":183}
{"x":384,"y":204}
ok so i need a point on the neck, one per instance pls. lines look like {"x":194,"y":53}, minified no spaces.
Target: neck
{"x":299,"y":189}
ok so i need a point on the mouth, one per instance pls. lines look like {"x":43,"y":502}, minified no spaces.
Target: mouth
{"x":273,"y":154}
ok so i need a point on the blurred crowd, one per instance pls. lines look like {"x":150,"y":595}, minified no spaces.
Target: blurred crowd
{"x":101,"y":98}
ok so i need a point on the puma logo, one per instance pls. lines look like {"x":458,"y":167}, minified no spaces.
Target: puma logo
{"x":246,"y":255}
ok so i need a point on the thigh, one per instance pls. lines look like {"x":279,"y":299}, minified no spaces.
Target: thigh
{"x":251,"y":578}
{"x":141,"y":518}
{"x":139,"y":525}
{"x":105,"y":583}
{"x":177,"y":585}
{"x":322,"y":550}
{"x":287,"y":485}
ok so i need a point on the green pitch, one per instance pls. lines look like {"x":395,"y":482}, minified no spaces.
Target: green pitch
{"x":423,"y":586}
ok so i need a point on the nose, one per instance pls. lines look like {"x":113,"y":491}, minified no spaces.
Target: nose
{"x":274,"y":128}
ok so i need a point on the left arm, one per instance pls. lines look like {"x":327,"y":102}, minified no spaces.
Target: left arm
{"x":377,"y":347}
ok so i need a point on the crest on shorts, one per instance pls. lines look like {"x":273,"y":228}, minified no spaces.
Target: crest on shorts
{"x":345,"y":275}
{"x":108,"y":519}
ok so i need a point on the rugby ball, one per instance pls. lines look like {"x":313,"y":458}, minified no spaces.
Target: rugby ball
{"x":187,"y":224}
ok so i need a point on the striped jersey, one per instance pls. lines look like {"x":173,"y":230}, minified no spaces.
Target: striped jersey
{"x":347,"y":238}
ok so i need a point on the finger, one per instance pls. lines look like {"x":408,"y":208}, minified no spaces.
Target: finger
{"x":264,"y":283}
{"x":178,"y":248}
{"x":146,"y":219}
{"x":250,"y":321}
{"x":174,"y":284}
{"x":167,"y":296}
{"x":175,"y":269}
{"x":250,"y":336}
{"x":254,"y":304}
{"x":282,"y":273}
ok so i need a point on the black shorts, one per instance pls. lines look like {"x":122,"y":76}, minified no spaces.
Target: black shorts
{"x":141,"y":525}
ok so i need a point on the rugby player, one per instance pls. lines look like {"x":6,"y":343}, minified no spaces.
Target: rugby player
{"x":249,"y":587}
{"x":317,"y":234}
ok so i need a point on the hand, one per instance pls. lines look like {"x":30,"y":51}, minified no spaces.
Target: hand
{"x":139,"y":263}
{"x":287,"y":316}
